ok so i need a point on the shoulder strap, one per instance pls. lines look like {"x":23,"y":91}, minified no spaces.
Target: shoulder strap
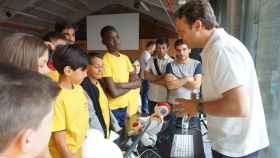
{"x":156,"y":66}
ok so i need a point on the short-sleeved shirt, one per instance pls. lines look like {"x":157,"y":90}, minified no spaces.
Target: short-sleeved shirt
{"x":72,"y":116}
{"x":144,"y":58}
{"x":157,"y":92}
{"x":227,"y":64}
{"x":134,"y":102}
{"x":118,"y":68}
{"x":189,"y":69}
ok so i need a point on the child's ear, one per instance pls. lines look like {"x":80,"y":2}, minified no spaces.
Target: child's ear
{"x":67,"y":70}
{"x":25,"y":140}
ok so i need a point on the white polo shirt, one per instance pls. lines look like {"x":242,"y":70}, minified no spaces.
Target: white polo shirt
{"x":157,"y":92}
{"x":226,"y":64}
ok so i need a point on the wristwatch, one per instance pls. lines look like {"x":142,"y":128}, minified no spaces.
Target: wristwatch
{"x":200,"y":107}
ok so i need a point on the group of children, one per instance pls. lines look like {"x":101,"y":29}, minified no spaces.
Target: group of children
{"x":81,"y":102}
{"x":95,"y":92}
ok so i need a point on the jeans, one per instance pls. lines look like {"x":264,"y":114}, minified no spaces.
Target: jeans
{"x":120,"y":115}
{"x":218,"y":155}
{"x":144,"y":97}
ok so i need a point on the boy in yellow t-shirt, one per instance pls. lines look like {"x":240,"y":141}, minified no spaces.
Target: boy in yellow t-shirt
{"x":117,"y":74}
{"x":70,"y":120}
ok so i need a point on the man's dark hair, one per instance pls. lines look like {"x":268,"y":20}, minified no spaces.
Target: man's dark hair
{"x":60,"y":26}
{"x":70,"y":55}
{"x":178,"y":42}
{"x":162,"y":40}
{"x":52,"y":36}
{"x":106,"y":29}
{"x":150,"y":43}
{"x":26,"y":97}
{"x":198,"y":10}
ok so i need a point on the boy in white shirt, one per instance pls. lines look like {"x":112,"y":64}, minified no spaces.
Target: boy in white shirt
{"x":155,"y":73}
{"x":144,"y":58}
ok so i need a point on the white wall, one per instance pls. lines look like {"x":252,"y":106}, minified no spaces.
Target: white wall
{"x":126,"y":24}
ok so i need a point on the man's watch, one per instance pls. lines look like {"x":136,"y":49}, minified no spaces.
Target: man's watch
{"x":200,"y":107}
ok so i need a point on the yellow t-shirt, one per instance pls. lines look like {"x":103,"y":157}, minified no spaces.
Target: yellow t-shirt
{"x":103,"y":101}
{"x":118,"y":68}
{"x":54,"y":75}
{"x":134,"y":101}
{"x":71,"y":114}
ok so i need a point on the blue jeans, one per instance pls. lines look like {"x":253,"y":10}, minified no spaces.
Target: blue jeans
{"x":218,"y":155}
{"x":144,"y":97}
{"x":120,"y":115}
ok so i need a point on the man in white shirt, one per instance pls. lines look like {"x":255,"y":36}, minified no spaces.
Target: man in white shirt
{"x":155,"y":72}
{"x":230,"y":90}
{"x":144,"y":58}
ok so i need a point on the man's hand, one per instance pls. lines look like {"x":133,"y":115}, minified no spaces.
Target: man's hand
{"x":185,"y":107}
{"x":172,"y":82}
{"x":170,"y":77}
{"x":190,"y":79}
{"x":193,"y":82}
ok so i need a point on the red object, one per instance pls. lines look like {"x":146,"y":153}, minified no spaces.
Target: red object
{"x":50,"y":65}
{"x":164,"y":108}
{"x":136,"y":125}
{"x":164,"y":104}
